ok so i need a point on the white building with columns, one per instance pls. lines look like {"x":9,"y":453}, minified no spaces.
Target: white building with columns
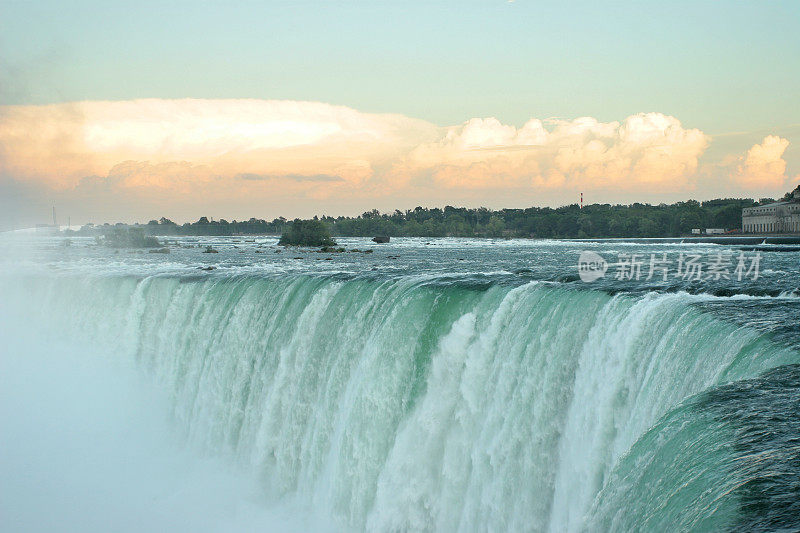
{"x":778,"y":217}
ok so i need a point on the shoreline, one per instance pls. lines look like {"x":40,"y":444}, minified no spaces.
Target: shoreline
{"x":738,"y":239}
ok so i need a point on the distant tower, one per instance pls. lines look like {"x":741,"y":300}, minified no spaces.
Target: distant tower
{"x":54,"y":215}
{"x":581,"y":200}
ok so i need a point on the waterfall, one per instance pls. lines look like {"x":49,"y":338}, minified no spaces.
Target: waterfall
{"x":416,"y":403}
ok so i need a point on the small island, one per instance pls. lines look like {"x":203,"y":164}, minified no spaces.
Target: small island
{"x":311,"y":233}
{"x":127,"y":237}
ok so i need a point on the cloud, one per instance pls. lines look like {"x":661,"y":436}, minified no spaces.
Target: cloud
{"x":642,"y":151}
{"x":193,"y":152}
{"x":322,"y":178}
{"x":59,"y":144}
{"x":763,"y":167}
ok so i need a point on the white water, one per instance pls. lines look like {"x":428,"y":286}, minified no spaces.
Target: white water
{"x":85,"y":446}
{"x":390,"y":405}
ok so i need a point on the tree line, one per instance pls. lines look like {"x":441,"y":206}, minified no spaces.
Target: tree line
{"x":596,"y":220}
{"x":593,"y":221}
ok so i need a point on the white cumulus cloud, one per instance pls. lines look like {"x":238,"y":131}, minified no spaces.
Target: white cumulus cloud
{"x":763,"y":167}
{"x":642,"y":151}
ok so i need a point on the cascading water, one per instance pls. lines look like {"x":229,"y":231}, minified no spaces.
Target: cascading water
{"x":422,"y":403}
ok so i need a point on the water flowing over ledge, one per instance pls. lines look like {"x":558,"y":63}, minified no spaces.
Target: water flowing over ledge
{"x":409,"y":405}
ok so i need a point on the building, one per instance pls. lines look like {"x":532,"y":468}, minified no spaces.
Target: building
{"x":777,"y":217}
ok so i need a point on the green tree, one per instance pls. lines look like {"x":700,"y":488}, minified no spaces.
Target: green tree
{"x":307,"y":233}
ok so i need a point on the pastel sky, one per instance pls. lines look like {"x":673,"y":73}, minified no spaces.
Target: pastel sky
{"x":134,"y":110}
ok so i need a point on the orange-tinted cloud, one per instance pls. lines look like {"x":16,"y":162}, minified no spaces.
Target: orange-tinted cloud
{"x":59,"y":144}
{"x":763,"y":167}
{"x":253,"y":149}
{"x":644,"y":150}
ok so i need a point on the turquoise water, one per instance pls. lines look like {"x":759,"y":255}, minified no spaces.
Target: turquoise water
{"x":448,"y":385}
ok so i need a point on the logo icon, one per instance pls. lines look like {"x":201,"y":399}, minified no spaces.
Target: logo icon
{"x":591,"y":266}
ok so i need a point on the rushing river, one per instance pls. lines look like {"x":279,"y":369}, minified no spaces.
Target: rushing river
{"x":430,"y":385}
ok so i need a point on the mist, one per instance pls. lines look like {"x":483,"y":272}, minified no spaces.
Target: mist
{"x":87,"y":446}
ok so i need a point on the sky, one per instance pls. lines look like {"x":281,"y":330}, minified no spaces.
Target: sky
{"x":135,"y":110}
